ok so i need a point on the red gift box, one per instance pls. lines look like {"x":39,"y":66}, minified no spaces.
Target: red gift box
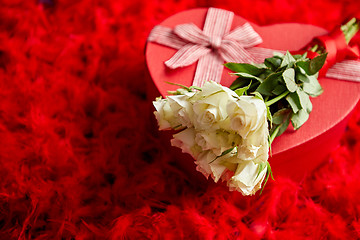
{"x":294,"y":153}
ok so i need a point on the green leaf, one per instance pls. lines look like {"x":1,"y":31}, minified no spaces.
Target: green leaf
{"x":239,"y":83}
{"x":258,"y":95}
{"x":288,"y":60}
{"x":298,"y":68}
{"x":284,"y":125}
{"x":289,"y":78}
{"x":280,"y":116}
{"x":317,"y":62}
{"x":304,"y":100}
{"x":299,"y":118}
{"x":314,"y":65}
{"x":279,"y":89}
{"x":304,"y":65}
{"x":273,"y":63}
{"x":244,"y":68}
{"x":247,"y":75}
{"x":299,"y":56}
{"x":313,"y":87}
{"x":294,"y":101}
{"x":279,"y":129}
{"x":265,"y":74}
{"x":241,"y":91}
{"x":269,"y":84}
{"x":301,"y":75}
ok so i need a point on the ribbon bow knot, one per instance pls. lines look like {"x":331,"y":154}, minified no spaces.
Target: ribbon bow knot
{"x":210,"y":47}
{"x":215,"y":42}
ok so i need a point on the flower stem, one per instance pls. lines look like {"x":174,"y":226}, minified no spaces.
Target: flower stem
{"x":274,"y":133}
{"x":350,"y":29}
{"x":275,"y":99}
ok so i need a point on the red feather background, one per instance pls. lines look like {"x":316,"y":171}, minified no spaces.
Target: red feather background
{"x":79,"y":154}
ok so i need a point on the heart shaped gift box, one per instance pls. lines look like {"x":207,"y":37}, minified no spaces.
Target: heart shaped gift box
{"x":294,"y":153}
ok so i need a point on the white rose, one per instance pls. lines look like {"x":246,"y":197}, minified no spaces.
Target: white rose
{"x":218,"y":141}
{"x":209,"y":105}
{"x":208,"y":164}
{"x":248,"y":177}
{"x":250,"y":170}
{"x":215,"y":120}
{"x":185,"y":140}
{"x":247,"y":115}
{"x":174,"y":112}
{"x":182,"y":108}
{"x":259,"y":136}
{"x":253,"y":153}
{"x":256,"y":146}
{"x":164,"y":114}
{"x":248,"y":118}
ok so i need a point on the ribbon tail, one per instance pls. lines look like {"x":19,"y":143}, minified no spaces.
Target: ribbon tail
{"x":166,"y":36}
{"x":346,"y":70}
{"x":209,"y":68}
{"x":186,"y":56}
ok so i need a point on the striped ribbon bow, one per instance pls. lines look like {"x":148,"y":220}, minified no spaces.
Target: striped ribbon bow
{"x":210,"y":47}
{"x":215,"y":44}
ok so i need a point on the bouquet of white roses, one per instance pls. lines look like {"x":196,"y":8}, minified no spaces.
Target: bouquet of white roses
{"x":224,"y":133}
{"x":228,"y":130}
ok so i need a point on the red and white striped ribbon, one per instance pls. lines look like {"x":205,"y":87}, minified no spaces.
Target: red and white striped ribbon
{"x":215,"y":44}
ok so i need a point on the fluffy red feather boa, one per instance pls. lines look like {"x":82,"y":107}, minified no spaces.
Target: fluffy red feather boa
{"x":80,"y":160}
